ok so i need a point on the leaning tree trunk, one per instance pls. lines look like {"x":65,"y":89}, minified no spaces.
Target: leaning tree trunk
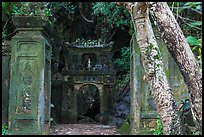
{"x":182,"y":54}
{"x":154,"y":71}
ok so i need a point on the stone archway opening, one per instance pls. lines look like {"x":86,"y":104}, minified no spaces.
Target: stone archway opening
{"x":88,"y":104}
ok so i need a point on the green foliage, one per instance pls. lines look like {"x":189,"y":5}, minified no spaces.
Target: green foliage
{"x":124,"y":61}
{"x":10,"y":9}
{"x":68,"y":7}
{"x":5,"y":130}
{"x":196,"y":23}
{"x":196,"y":5}
{"x":196,"y":46}
{"x":189,"y":17}
{"x":7,"y":9}
{"x":166,"y":72}
{"x":111,"y":14}
{"x":192,"y":40}
{"x":28,"y":8}
{"x":159,"y":129}
{"x":125,"y":127}
{"x":25,"y":9}
{"x":182,"y":6}
{"x":120,"y":82}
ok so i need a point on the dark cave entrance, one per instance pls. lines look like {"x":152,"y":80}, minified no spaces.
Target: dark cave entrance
{"x":88,"y":104}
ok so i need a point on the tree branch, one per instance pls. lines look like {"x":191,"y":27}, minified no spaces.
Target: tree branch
{"x":188,"y":23}
{"x":188,"y":8}
{"x":6,"y":23}
{"x":80,"y":11}
{"x":184,"y":17}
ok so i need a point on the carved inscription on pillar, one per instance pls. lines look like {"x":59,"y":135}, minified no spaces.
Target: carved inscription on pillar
{"x":25,"y":85}
{"x":26,"y":93}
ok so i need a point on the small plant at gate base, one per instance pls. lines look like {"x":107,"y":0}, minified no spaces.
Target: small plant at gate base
{"x":159,"y":129}
{"x":5,"y":130}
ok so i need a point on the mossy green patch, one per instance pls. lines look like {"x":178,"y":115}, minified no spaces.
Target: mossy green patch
{"x":125,"y":128}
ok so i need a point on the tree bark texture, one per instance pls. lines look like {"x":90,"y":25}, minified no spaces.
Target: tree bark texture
{"x":154,"y":70}
{"x":182,"y":54}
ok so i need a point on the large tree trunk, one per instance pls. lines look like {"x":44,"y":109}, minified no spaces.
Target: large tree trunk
{"x":182,"y":54}
{"x":154,"y":71}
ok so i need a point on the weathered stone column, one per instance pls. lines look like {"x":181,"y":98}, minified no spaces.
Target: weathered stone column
{"x":101,"y":96}
{"x":134,"y":90}
{"x":30,"y":78}
{"x":69,"y":101}
{"x":6,"y":56}
{"x":107,"y":92}
{"x":73,"y":103}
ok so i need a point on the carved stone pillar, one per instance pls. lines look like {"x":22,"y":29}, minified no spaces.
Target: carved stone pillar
{"x":6,"y":56}
{"x":30,"y":78}
{"x":68,"y":109}
{"x":135,"y":96}
{"x":101,"y":96}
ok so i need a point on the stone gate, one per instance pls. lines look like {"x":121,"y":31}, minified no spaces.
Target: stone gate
{"x":86,"y":64}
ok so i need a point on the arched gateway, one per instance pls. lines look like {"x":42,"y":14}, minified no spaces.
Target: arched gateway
{"x":88,"y":102}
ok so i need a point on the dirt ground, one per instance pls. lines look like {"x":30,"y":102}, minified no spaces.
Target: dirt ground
{"x":82,"y":129}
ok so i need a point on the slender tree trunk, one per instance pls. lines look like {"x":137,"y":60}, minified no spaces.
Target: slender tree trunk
{"x":182,"y":54}
{"x":154,"y":71}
